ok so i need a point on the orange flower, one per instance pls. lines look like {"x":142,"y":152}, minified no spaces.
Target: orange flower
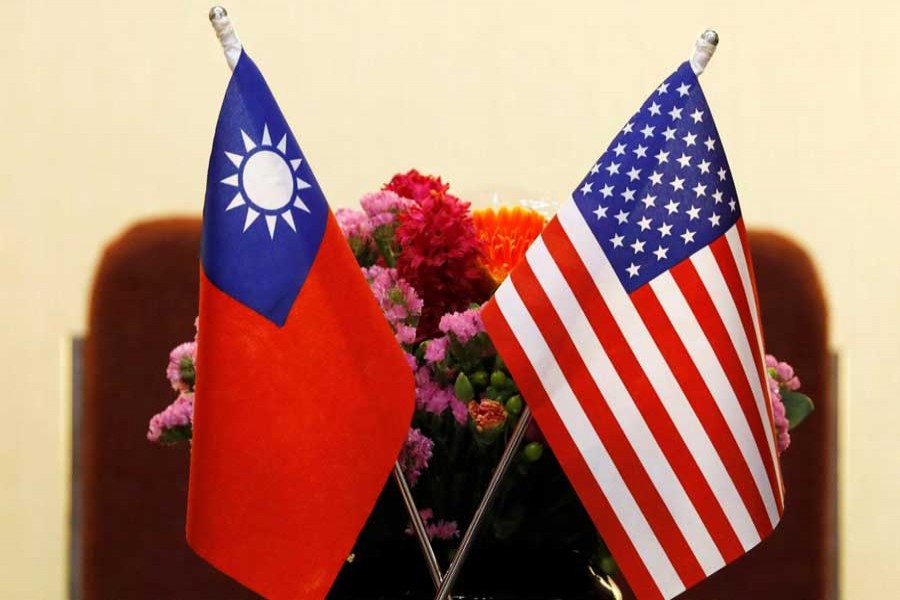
{"x":506,"y":234}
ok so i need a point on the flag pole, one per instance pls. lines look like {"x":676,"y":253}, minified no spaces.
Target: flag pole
{"x":231,"y":45}
{"x":704,"y":48}
{"x":512,"y":448}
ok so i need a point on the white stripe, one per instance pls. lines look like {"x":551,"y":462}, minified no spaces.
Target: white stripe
{"x":661,"y":378}
{"x":733,"y":237}
{"x":623,"y":407}
{"x":714,"y":281}
{"x":706,"y":361}
{"x":586,"y":440}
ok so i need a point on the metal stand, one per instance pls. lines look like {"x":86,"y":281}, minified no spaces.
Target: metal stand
{"x":512,"y":448}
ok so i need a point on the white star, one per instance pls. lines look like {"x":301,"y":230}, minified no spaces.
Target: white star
{"x":622,"y":216}
{"x":620,"y":149}
{"x":637,"y":246}
{"x":718,"y":197}
{"x":628,"y":128}
{"x":704,"y":166}
{"x":688,"y":236}
{"x":607,"y":190}
{"x":693,"y":212}
{"x":656,"y":178}
{"x":697,"y":115}
{"x":647,"y":131}
{"x":663,"y":89}
{"x":721,"y":174}
{"x":710,"y":144}
{"x":733,"y":205}
{"x":633,"y":270}
{"x":634,"y":174}
{"x":613,"y":168}
{"x":714,"y":220}
{"x":672,"y":207}
{"x":662,"y":157}
{"x":699,"y":189}
{"x":644,"y":223}
{"x":586,"y":189}
{"x":640,"y":151}
{"x":675,"y":113}
{"x":600,"y":212}
{"x":683,"y":89}
{"x":654,"y":108}
{"x":665,"y":230}
{"x":677,"y":183}
{"x":685,"y":160}
{"x":690,"y":139}
{"x":595,"y":169}
{"x":628,"y":195}
{"x":661,"y":253}
{"x":669,"y":134}
{"x":649,"y":201}
{"x":617,"y":240}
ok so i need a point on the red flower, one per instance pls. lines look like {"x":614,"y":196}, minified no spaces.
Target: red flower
{"x":415,"y":186}
{"x":440,"y":257}
{"x":489,"y":418}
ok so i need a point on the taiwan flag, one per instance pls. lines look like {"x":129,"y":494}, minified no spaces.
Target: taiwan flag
{"x":304,"y":397}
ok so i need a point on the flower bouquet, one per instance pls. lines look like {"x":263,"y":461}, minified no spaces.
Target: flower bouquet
{"x":431,"y":263}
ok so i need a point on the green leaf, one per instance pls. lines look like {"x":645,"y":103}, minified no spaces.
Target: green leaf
{"x":797,"y":406}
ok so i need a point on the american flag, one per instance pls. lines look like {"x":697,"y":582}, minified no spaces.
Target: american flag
{"x":632,"y":329}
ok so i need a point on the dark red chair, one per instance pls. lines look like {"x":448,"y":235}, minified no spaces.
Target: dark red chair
{"x":133,"y":496}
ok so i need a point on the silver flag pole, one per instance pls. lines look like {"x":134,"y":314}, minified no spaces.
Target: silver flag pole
{"x":703,"y":50}
{"x":512,"y":448}
{"x":231,"y":45}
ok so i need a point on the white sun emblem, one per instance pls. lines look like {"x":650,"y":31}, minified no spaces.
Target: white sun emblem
{"x":267,"y":182}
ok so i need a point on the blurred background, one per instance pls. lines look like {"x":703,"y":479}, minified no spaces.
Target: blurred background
{"x":106,"y":117}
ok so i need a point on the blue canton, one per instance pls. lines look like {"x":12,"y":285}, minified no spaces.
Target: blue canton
{"x":264,"y":215}
{"x":663,"y":189}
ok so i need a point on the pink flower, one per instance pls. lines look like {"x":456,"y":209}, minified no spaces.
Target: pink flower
{"x":383,"y":207}
{"x":440,"y":529}
{"x":459,"y":409}
{"x":462,"y":325}
{"x":415,"y":455}
{"x":178,"y":414}
{"x":398,"y":301}
{"x":782,"y":372}
{"x":782,"y":426}
{"x":436,"y":350}
{"x":180,"y":370}
{"x":435,"y":398}
{"x":354,"y":224}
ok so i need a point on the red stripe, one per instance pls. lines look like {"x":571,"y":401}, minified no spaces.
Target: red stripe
{"x":710,"y":321}
{"x":745,"y":246}
{"x":607,"y":427}
{"x":725,"y":259}
{"x":573,"y":464}
{"x":722,"y":253}
{"x":641,"y":390}
{"x":691,"y":381}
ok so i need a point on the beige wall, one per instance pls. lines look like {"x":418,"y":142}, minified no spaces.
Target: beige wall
{"x":107,"y":109}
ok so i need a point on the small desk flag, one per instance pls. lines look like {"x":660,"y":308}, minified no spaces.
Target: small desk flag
{"x":304,"y":397}
{"x":632,"y":329}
